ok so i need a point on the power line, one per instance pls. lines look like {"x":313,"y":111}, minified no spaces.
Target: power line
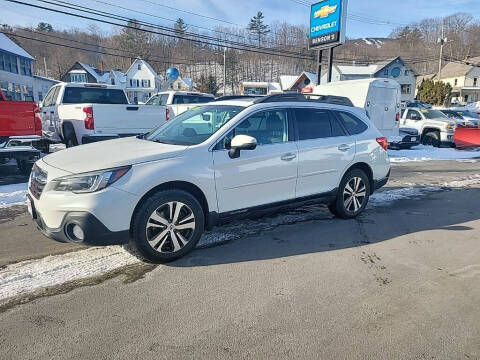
{"x":148,"y":24}
{"x":268,"y":52}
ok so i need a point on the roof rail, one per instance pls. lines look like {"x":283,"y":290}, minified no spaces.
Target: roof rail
{"x":327,"y":99}
{"x":235,"y":97}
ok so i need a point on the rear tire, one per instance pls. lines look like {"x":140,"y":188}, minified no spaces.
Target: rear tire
{"x":70,"y":138}
{"x":167,"y":226}
{"x":431,"y":138}
{"x":352,"y":196}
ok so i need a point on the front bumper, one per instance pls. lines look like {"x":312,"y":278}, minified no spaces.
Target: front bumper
{"x":95,"y":232}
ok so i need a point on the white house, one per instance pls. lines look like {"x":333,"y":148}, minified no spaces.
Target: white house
{"x":464,"y":79}
{"x":141,"y":81}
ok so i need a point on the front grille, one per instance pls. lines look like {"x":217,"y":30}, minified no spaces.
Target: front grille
{"x":38,"y":180}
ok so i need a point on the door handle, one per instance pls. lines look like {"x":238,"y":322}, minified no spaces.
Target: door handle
{"x":45,"y":113}
{"x":344,"y":147}
{"x":52,"y":112}
{"x":288,"y":156}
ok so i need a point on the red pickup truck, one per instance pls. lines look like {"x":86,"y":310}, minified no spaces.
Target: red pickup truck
{"x":18,"y":118}
{"x":20,"y":127}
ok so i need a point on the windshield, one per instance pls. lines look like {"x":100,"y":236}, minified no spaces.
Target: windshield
{"x":195,"y":125}
{"x":468,"y":114}
{"x":433,"y":114}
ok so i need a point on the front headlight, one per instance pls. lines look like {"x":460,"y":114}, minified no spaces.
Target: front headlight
{"x":87,"y":182}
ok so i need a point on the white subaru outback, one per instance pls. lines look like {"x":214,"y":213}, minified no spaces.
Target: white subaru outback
{"x":219,"y":161}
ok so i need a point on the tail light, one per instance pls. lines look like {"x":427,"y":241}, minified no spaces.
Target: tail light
{"x":37,"y":121}
{"x":397,"y":117}
{"x":89,"y":121}
{"x":167,"y":114}
{"x":383,"y":142}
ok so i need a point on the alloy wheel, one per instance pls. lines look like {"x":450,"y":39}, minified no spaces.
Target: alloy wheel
{"x":354,"y":194}
{"x":170,"y":227}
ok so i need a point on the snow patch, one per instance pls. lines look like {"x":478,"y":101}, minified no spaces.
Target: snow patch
{"x":14,"y":194}
{"x":428,"y":153}
{"x":28,"y":276}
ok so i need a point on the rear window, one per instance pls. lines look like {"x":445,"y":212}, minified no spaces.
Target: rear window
{"x":191,"y":99}
{"x":79,"y":95}
{"x":350,"y":122}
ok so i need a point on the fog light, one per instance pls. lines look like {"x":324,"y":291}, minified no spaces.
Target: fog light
{"x":78,"y":232}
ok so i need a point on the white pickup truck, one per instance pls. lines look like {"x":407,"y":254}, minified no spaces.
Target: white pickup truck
{"x":178,"y":102}
{"x":77,"y":113}
{"x":434,"y":127}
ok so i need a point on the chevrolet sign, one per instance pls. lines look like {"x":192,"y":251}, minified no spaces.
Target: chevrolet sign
{"x":327,"y":23}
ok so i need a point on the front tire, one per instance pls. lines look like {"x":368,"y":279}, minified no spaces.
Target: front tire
{"x":167,"y":226}
{"x":353,"y":194}
{"x":431,"y":138}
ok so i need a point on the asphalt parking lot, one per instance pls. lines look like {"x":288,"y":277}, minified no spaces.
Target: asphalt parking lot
{"x":400,"y":282}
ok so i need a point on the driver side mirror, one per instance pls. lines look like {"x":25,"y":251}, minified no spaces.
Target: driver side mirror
{"x":241,"y":142}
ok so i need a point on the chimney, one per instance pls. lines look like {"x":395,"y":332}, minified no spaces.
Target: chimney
{"x":101,"y":66}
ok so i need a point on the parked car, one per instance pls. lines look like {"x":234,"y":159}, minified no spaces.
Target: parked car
{"x":418,"y":104}
{"x":464,"y":116}
{"x":20,"y":125}
{"x":434,"y":127}
{"x":75,"y":113}
{"x":381,"y":100}
{"x":219,"y":161}
{"x":178,"y":102}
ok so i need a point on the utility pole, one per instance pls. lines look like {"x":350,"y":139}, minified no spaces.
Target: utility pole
{"x":45,"y":66}
{"x":442,"y":42}
{"x":224,"y":70}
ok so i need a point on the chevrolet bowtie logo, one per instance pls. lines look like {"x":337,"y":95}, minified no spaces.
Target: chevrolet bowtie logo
{"x":325,"y":11}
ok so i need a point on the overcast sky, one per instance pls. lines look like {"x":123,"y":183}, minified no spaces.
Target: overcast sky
{"x":238,"y":12}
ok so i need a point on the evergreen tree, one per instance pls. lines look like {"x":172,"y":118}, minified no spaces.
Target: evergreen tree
{"x":180,"y":26}
{"x":45,"y":27}
{"x":207,"y":84}
{"x":434,"y":92}
{"x":257,"y":27}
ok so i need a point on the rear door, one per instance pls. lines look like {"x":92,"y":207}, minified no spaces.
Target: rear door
{"x":324,"y":151}
{"x":384,"y":109}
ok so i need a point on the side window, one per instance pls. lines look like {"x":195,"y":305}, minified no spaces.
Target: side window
{"x":48,"y":97}
{"x":337,"y":129}
{"x":313,"y":124}
{"x":267,"y":127}
{"x":153,"y":100}
{"x":413,"y":115}
{"x":55,"y":96}
{"x":163,"y":99}
{"x":353,"y":124}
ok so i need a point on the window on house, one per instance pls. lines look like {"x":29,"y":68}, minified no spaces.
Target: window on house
{"x":137,"y":83}
{"x":456,"y":82}
{"x":25,"y":67}
{"x":78,"y":78}
{"x":385,"y":72}
{"x":139,"y":66}
{"x":3,"y":61}
{"x":406,"y":72}
{"x":474,"y":81}
{"x":112,"y":81}
{"x":148,"y":82}
{"x":131,"y":83}
{"x":12,"y":64}
{"x":406,"y":88}
{"x":145,"y":83}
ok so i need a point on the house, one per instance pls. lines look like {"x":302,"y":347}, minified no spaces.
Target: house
{"x":305,"y":82}
{"x":180,"y":84}
{"x":287,"y":81}
{"x":141,"y":81}
{"x":259,"y":88}
{"x":16,"y":73}
{"x":464,"y":79}
{"x":394,"y":68}
{"x":84,"y":73}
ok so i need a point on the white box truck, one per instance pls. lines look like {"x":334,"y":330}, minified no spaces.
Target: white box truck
{"x":381,"y":100}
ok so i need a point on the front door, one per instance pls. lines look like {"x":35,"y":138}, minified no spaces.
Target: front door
{"x":262,"y":176}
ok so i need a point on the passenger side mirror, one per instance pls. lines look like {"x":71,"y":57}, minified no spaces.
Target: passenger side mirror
{"x":206,"y":117}
{"x":241,"y":142}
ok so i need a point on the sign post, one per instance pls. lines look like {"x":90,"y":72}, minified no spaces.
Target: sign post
{"x":327,"y":30}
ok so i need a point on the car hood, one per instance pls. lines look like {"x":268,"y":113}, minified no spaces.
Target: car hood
{"x":110,"y":154}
